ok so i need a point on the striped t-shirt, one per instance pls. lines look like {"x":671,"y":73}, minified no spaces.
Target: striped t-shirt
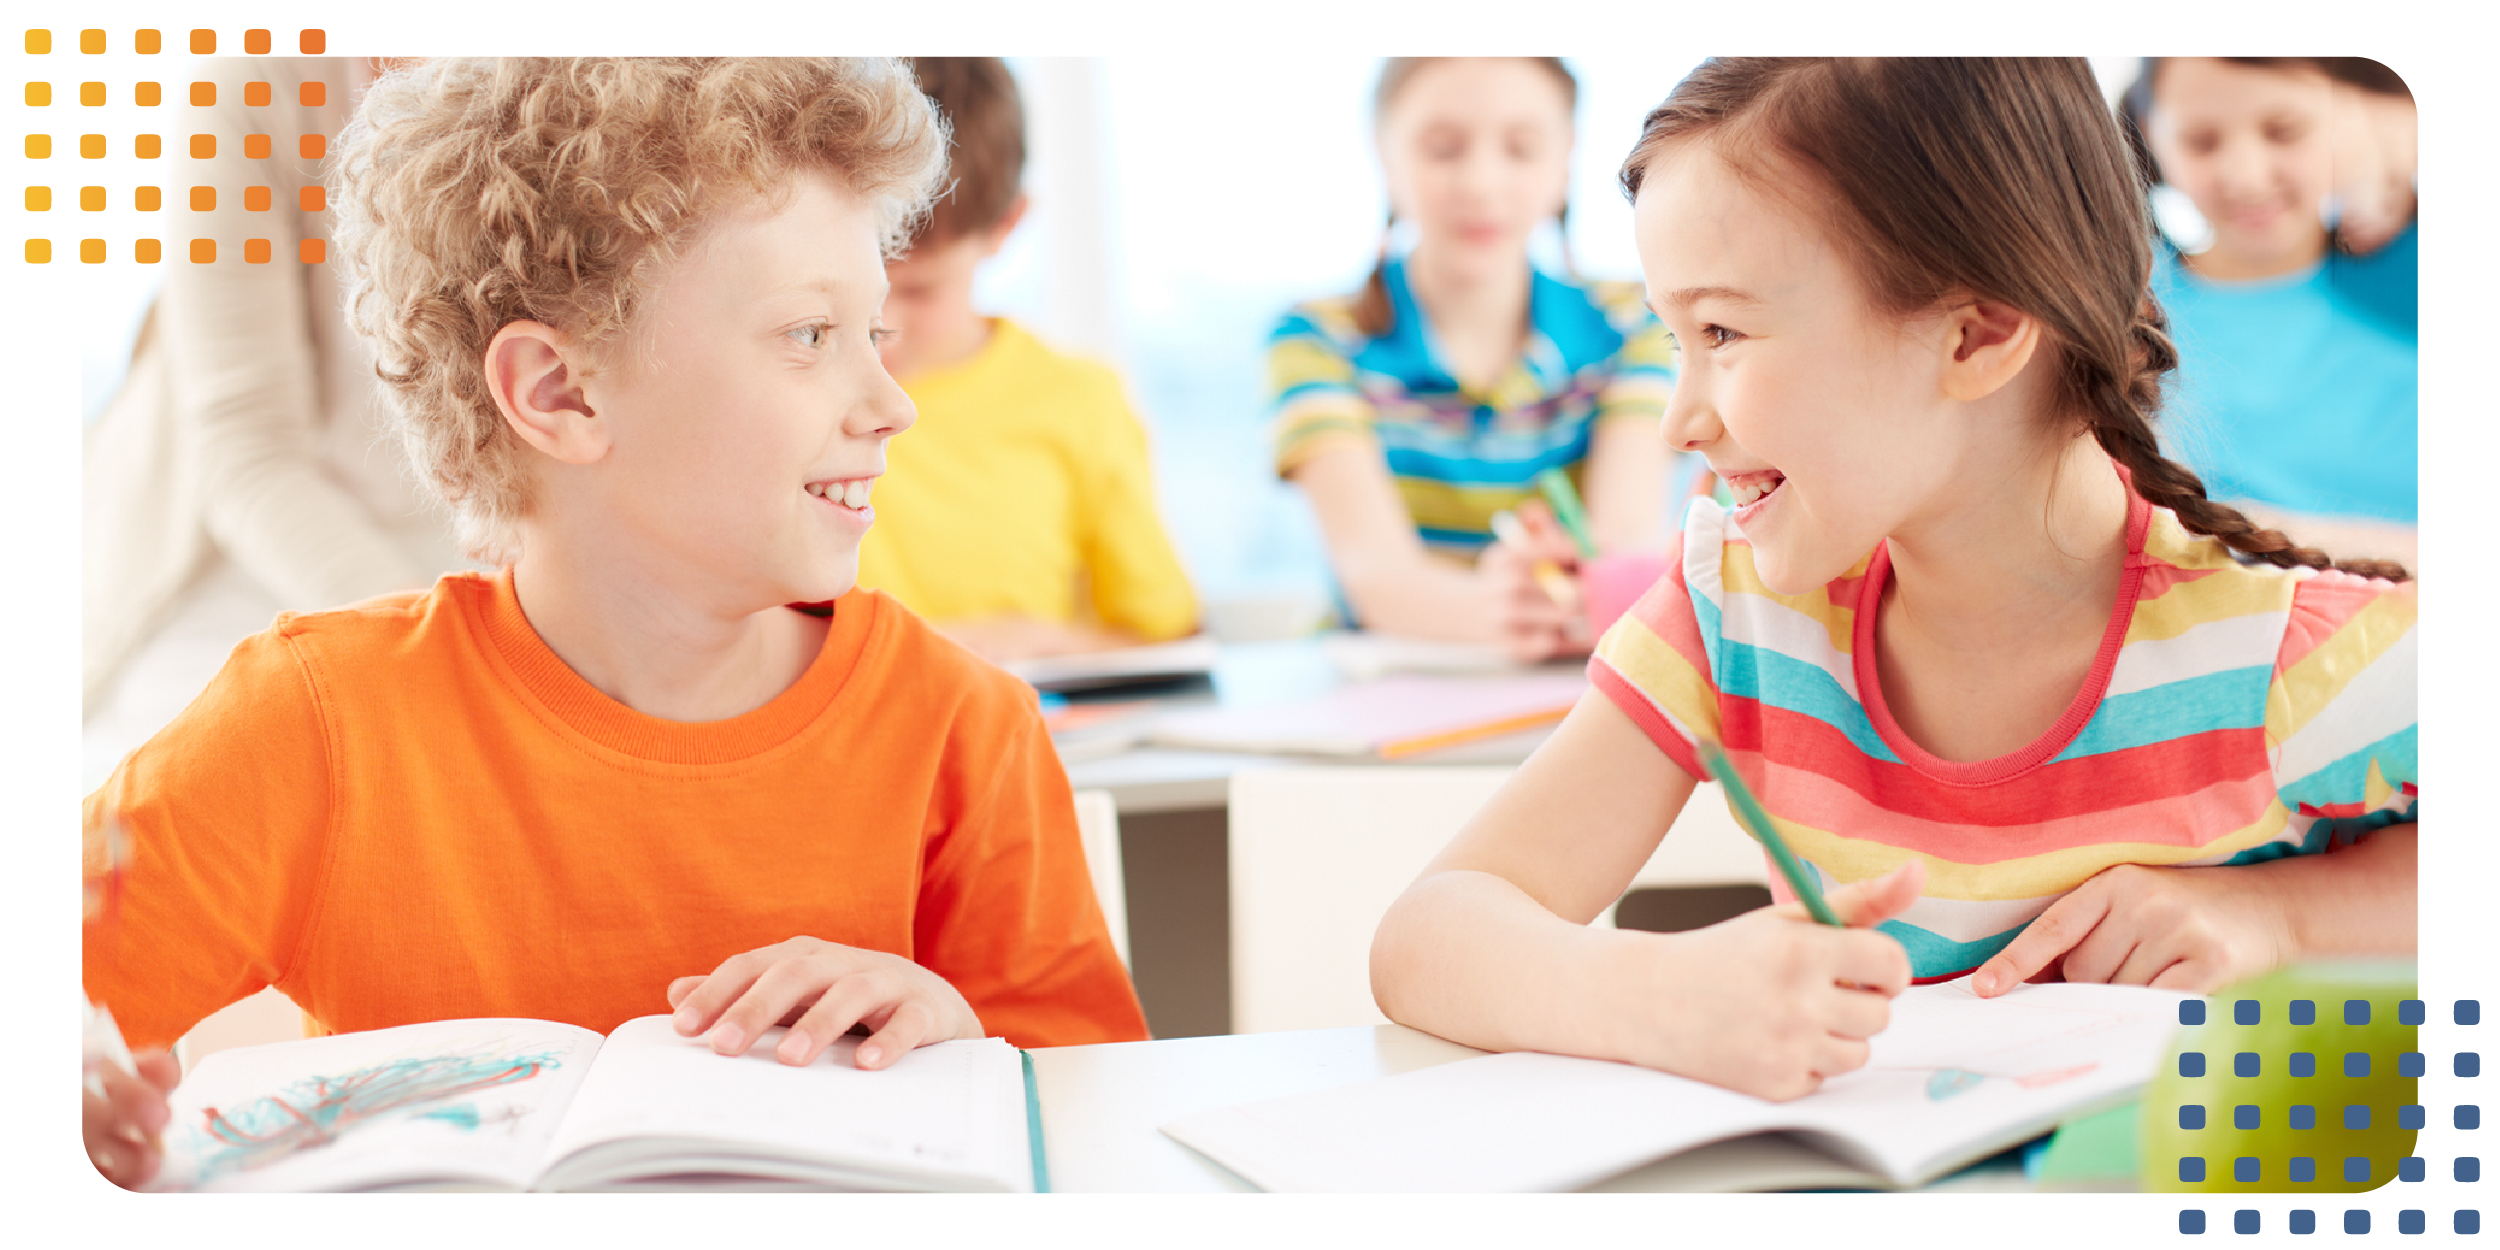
{"x":1594,"y":353}
{"x":2235,"y":714}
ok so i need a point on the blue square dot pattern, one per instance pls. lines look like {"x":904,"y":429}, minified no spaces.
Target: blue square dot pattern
{"x":2191,"y":1011}
{"x":2304,"y":1116}
{"x":2356,"y":1170}
{"x":2411,"y":1065}
{"x":2191,"y":1169}
{"x":2411,"y":1168}
{"x":2304,"y":1011}
{"x":2303,"y":1221}
{"x":2409,"y":1221}
{"x":2244,"y":1116}
{"x":2304,"y":1169}
{"x":2469,"y":1223}
{"x":2469,"y":1063}
{"x":2469,"y":1116}
{"x":2191,"y":1221}
{"x":2409,"y":1011}
{"x":2304,"y":1063}
{"x":2244,"y":1221}
{"x":2356,"y":1118}
{"x":2356,"y":1011}
{"x":2245,"y":1063}
{"x":2411,"y":1118}
{"x":2356,"y":1063}
{"x":2469,"y":1169}
{"x":2192,"y":1063}
{"x":2245,"y":1169}
{"x":2356,"y":1221}
{"x":2244,"y":1011}
{"x":2192,"y":1116}
{"x":2469,"y":1011}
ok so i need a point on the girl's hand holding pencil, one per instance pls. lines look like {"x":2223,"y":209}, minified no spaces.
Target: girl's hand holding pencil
{"x":1531,"y":570}
{"x":1770,"y":1003}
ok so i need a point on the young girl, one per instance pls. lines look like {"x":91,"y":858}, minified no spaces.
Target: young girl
{"x":2298,"y":378}
{"x":1414,"y":411}
{"x":2000,"y":673}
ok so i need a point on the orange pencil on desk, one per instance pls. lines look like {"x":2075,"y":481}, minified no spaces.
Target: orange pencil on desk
{"x":1557,"y":584}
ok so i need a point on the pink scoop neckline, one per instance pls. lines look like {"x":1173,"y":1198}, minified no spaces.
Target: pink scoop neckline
{"x":2071,"y":722}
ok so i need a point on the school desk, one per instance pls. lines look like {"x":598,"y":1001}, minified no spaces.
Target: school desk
{"x":1101,"y":1104}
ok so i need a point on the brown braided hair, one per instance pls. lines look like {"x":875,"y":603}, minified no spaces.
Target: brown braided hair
{"x":2002,"y":178}
{"x":1374,"y":314}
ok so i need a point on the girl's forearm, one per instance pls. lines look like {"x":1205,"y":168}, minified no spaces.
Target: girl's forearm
{"x":2358,"y":900}
{"x":1471,"y":957}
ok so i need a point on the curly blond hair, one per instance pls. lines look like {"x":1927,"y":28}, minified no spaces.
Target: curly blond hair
{"x":475,"y":193}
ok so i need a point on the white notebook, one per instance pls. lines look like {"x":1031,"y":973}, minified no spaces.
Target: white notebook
{"x":532,"y":1104}
{"x":1954,"y":1079}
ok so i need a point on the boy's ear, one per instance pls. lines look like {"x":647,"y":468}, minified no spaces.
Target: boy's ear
{"x":1989,"y":344}
{"x":530,"y":370}
{"x":996,"y":236}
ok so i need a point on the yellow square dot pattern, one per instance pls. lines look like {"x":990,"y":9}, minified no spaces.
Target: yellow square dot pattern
{"x":148,"y":199}
{"x":204,"y":147}
{"x":38,"y":251}
{"x":203,"y":251}
{"x":38,"y":147}
{"x":91,"y":199}
{"x":39,"y":43}
{"x":38,"y":199}
{"x":203,"y":43}
{"x":38,"y":95}
{"x":203,"y":94}
{"x":91,"y":41}
{"x":203,"y":199}
{"x":256,"y":94}
{"x":91,"y":251}
{"x":256,"y":42}
{"x":147,"y":251}
{"x":91,"y":94}
{"x":91,"y":147}
{"x":148,"y":42}
{"x":148,"y":147}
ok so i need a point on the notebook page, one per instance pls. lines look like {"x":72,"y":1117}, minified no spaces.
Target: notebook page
{"x":1365,"y":718}
{"x":460,"y":1101}
{"x":954,"y":1109}
{"x":1951,"y":1074}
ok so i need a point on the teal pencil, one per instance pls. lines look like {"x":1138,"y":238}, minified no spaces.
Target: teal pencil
{"x":1575,"y":519}
{"x":1758,"y":823}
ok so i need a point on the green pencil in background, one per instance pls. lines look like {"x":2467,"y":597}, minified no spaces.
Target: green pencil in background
{"x":1566,"y":504}
{"x":1758,"y":823}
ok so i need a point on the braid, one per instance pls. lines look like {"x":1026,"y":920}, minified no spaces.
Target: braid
{"x":1373,"y":313}
{"x":2119,"y":422}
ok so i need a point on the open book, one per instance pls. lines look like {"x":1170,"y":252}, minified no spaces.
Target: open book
{"x":1954,"y":1079}
{"x":532,"y":1104}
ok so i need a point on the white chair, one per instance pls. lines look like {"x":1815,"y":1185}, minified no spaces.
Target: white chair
{"x":1318,"y":854}
{"x":1098,"y":827}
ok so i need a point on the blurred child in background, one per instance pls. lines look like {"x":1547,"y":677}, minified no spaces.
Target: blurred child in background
{"x":1414,"y":410}
{"x":1020,"y":516}
{"x":2298,"y":386}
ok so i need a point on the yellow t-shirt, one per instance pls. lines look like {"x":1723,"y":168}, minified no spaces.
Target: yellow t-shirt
{"x":1024,"y":489}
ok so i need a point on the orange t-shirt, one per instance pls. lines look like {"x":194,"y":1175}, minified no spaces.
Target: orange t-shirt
{"x":412,"y":810}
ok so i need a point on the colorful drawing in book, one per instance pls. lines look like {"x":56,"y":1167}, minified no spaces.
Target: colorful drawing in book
{"x":319,"y":1110}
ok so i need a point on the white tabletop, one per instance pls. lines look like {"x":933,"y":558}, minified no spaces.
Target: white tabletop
{"x":1102,"y":1105}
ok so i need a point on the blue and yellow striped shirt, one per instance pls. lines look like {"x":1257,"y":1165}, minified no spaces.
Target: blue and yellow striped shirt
{"x":1459,"y":455}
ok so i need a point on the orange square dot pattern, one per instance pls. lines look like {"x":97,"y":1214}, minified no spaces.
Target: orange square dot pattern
{"x":38,"y":251}
{"x":38,"y":147}
{"x":39,"y":199}
{"x":91,"y":199}
{"x":256,"y":42}
{"x":148,"y":147}
{"x":256,"y":199}
{"x":91,"y":251}
{"x":203,"y":251}
{"x":91,"y":41}
{"x":203,"y":94}
{"x":203,"y":43}
{"x":148,"y":43}
{"x":311,"y":41}
{"x":255,"y":251}
{"x":148,"y":199}
{"x":256,"y":94}
{"x":311,"y":147}
{"x":148,"y":94}
{"x":91,"y":94}
{"x":203,"y":147}
{"x":38,"y":95}
{"x":256,"y":147}
{"x":311,"y":251}
{"x":203,"y":199}
{"x":91,"y":147}
{"x":311,"y":200}
{"x":312,"y":94}
{"x":147,"y":251}
{"x":38,"y":43}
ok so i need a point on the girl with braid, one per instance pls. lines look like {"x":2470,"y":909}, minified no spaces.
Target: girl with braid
{"x":2027,"y":702}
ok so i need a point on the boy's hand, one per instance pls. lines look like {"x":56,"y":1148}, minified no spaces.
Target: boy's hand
{"x":820,"y":990}
{"x":122,"y":1125}
{"x":2194,"y":929}
{"x":1771,"y":1003}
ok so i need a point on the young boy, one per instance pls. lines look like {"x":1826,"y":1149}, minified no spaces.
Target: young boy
{"x":1020,"y":518}
{"x":666,"y":757}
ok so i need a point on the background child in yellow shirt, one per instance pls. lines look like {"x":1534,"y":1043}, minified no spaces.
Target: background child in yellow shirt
{"x":1020,"y":517}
